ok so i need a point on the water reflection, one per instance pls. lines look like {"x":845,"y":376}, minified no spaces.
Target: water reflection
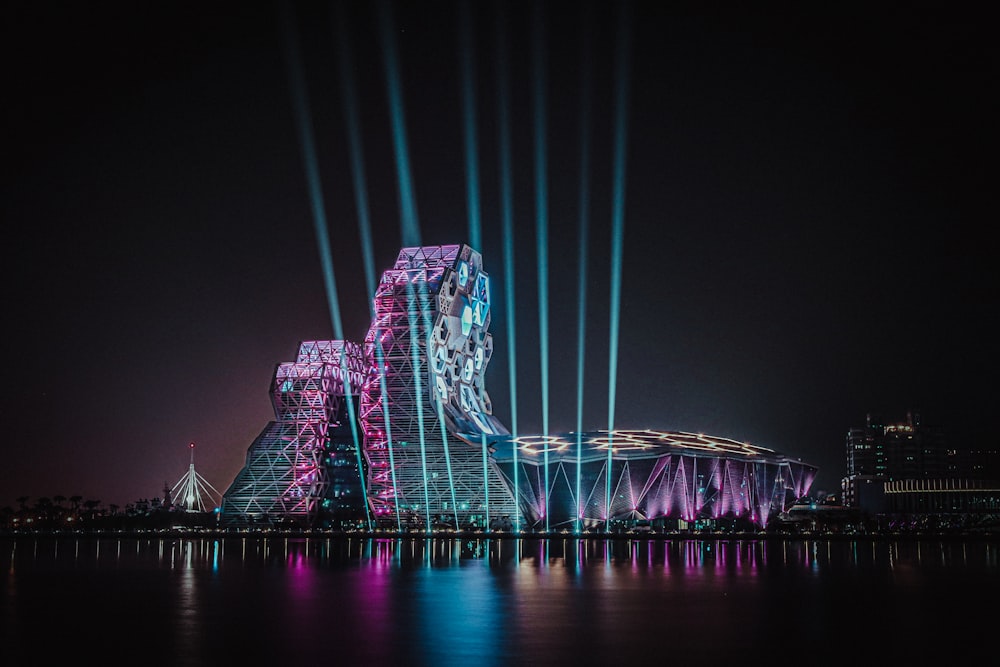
{"x":682,"y":556}
{"x":437,"y":601}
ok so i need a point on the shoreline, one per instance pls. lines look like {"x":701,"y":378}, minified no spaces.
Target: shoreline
{"x":217,"y":533}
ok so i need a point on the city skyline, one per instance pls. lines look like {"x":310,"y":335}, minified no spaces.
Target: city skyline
{"x":803,"y":193}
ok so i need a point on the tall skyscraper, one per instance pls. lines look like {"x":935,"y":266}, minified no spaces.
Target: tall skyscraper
{"x":907,"y":449}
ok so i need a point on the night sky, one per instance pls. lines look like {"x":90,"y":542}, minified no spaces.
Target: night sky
{"x":809,"y":194}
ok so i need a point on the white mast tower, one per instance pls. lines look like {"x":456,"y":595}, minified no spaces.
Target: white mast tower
{"x":192,"y":491}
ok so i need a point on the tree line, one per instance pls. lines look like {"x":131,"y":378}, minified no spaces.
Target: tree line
{"x":71,"y":513}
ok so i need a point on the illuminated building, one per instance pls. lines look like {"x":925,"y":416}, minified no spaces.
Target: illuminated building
{"x":909,"y":468}
{"x":425,"y":410}
{"x":655,"y":475}
{"x":424,"y":450}
{"x":304,"y":464}
{"x":909,"y":449}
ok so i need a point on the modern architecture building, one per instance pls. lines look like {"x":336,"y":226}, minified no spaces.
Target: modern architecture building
{"x":910,"y":468}
{"x":665,"y":478}
{"x":305,"y":465}
{"x":425,"y":412}
{"x":907,"y":449}
{"x":399,"y":434}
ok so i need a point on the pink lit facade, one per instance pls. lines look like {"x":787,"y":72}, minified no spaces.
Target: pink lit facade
{"x":656,"y":477}
{"x":425,"y":410}
{"x":399,"y":434}
{"x":304,"y":463}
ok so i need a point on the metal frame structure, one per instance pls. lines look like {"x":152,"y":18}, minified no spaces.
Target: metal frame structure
{"x":401,"y":431}
{"x":654,"y":475}
{"x":425,"y":410}
{"x":291,"y":469}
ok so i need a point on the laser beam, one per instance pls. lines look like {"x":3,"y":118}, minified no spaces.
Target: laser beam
{"x":617,"y":224}
{"x":307,"y":143}
{"x":349,"y":97}
{"x":507,"y":225}
{"x":467,"y":60}
{"x":542,"y":226}
{"x":586,"y":96}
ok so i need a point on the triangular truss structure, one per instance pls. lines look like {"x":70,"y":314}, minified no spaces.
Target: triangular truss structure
{"x":653,"y":475}
{"x":305,"y":465}
{"x":399,"y":433}
{"x":427,"y":415}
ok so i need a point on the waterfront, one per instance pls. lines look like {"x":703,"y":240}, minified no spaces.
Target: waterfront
{"x":442,"y":601}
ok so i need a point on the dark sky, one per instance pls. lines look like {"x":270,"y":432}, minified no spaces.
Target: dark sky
{"x":807,"y":211}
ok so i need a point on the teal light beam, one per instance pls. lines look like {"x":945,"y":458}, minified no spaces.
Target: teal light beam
{"x":307,"y":142}
{"x":425,"y":317}
{"x":352,"y":418}
{"x":349,"y":99}
{"x":304,"y":126}
{"x":409,"y":222}
{"x":542,"y":228}
{"x":586,"y":102}
{"x":486,"y":479}
{"x":380,"y":357}
{"x":447,"y":458}
{"x":415,"y":355}
{"x":617,"y":224}
{"x":507,"y":220}
{"x":467,"y":61}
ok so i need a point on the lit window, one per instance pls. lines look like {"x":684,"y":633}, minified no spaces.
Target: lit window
{"x":483,"y":288}
{"x":466,"y":320}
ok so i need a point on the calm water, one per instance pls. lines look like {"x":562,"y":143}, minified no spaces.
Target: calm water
{"x":278,"y":601}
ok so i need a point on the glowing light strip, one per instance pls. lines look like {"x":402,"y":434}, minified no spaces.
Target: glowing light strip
{"x":447,"y":459}
{"x":507,"y":218}
{"x":350,"y":107}
{"x":407,"y":204}
{"x":304,"y":124}
{"x":307,"y":143}
{"x":472,"y":186}
{"x":348,"y":90}
{"x":352,"y":418}
{"x":618,"y":223}
{"x":585,"y":106}
{"x":541,"y":219}
{"x":409,"y":223}
{"x":466,"y":58}
{"x":415,"y":365}
{"x":486,"y":485}
{"x":380,"y":357}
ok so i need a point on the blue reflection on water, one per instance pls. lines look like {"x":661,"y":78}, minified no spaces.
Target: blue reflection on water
{"x":487,"y":601}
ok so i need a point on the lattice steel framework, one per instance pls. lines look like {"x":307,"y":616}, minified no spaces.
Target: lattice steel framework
{"x":425,"y":409}
{"x":654,"y":475}
{"x":287,"y":472}
{"x":428,"y":453}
